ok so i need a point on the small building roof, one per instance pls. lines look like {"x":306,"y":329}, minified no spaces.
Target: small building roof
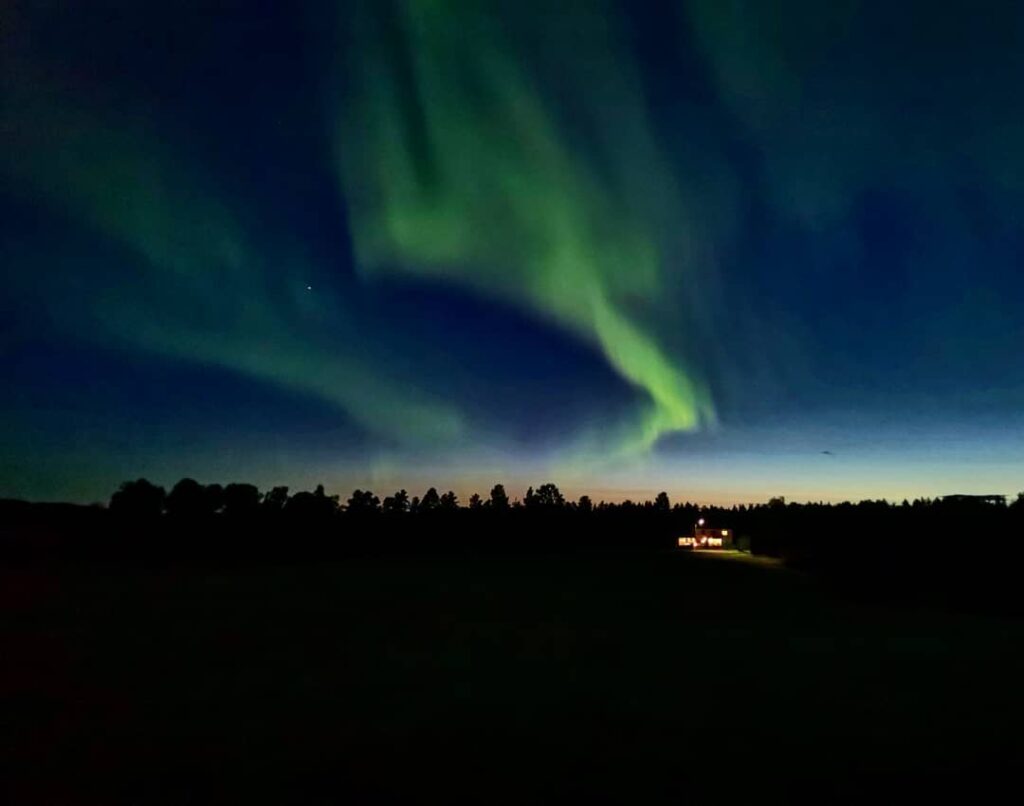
{"x":985,"y":499}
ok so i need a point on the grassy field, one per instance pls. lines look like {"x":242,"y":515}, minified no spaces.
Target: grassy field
{"x":631,"y":677}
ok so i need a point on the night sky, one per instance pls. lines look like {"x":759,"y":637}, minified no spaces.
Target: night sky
{"x":726,"y":249}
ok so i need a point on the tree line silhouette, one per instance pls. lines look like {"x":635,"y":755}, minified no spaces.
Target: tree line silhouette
{"x":964,"y":549}
{"x":190,"y":499}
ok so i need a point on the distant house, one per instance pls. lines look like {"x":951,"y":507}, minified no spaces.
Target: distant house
{"x":999,"y":500}
{"x":706,"y":537}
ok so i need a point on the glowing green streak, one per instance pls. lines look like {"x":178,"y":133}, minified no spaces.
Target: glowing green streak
{"x":199,"y":290}
{"x":455,"y":169}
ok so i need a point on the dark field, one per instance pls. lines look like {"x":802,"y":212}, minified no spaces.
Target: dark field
{"x":634,"y":677}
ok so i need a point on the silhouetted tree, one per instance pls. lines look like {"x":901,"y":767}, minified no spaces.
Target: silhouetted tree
{"x":276,"y":500}
{"x":329,"y":503}
{"x":187,"y":499}
{"x":449,"y":502}
{"x":585,"y":505}
{"x":397,"y":504}
{"x":214,"y":494}
{"x":547,"y":496}
{"x":661,"y":502}
{"x":138,"y":499}
{"x":475,"y":502}
{"x":431,"y":501}
{"x":241,"y":500}
{"x":363,"y":502}
{"x":311,"y":506}
{"x":303,"y":506}
{"x":499,"y":498}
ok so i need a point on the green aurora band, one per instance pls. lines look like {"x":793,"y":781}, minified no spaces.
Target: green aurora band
{"x":455,"y":168}
{"x":199,"y":288}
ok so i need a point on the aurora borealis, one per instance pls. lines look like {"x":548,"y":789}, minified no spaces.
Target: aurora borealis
{"x":458,"y":172}
{"x":626,"y":246}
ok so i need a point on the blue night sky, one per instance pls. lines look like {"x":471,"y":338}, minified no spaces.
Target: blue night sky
{"x":625,"y":247}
